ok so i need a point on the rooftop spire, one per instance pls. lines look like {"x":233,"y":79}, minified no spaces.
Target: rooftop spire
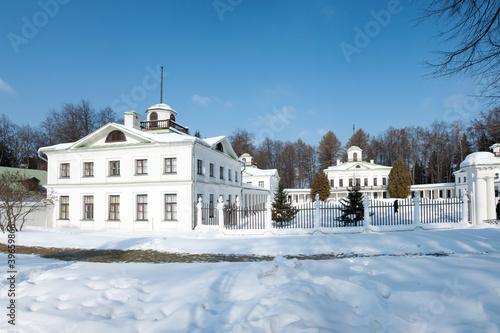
{"x":161,"y":87}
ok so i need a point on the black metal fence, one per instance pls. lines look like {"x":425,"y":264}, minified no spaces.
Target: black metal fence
{"x":244,"y":218}
{"x":303,"y":219}
{"x":393,"y":212}
{"x":441,"y":210}
{"x":330,"y":216}
{"x":209,"y":214}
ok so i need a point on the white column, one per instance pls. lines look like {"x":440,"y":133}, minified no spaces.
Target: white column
{"x":490,"y":199}
{"x":480,"y":205}
{"x":465,"y":208}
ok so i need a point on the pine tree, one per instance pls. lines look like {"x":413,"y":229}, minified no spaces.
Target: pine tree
{"x":320,"y":186}
{"x":399,"y":180}
{"x":352,"y":207}
{"x":328,"y":150}
{"x":282,"y":209}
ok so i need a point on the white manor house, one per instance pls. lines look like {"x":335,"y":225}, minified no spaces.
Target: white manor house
{"x":373,"y":180}
{"x":143,"y":175}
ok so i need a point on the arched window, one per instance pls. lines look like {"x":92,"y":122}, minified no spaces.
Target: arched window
{"x":153,"y":116}
{"x":172,"y":117}
{"x":116,"y":136}
{"x":355,"y":156}
{"x":358,"y":166}
{"x":219,"y":147}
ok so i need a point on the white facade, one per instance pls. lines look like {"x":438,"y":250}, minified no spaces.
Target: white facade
{"x":141,"y":175}
{"x":260,"y":178}
{"x":372,"y":178}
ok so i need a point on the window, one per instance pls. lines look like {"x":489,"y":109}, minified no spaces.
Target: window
{"x":170,"y":165}
{"x":375,"y":195}
{"x":358,"y":181}
{"x":236,"y":176}
{"x":116,"y":136}
{"x":249,"y":183}
{"x":358,"y":166}
{"x":170,"y":207}
{"x":374,"y":181}
{"x":64,"y":208}
{"x":332,"y":183}
{"x":212,"y":170}
{"x":199,"y":167}
{"x":114,"y":168}
{"x":153,"y":117}
{"x":366,"y":181}
{"x":142,"y":207}
{"x":341,"y":183}
{"x":114,"y":207}
{"x":350,"y":182}
{"x":221,"y":172}
{"x":211,"y":212}
{"x":88,"y":169}
{"x":384,"y":195}
{"x":219,"y":147}
{"x":141,"y":167}
{"x":229,"y":174}
{"x":64,"y":170}
{"x":384,"y":181}
{"x":88,"y":207}
{"x":355,"y":157}
{"x":261,"y":183}
{"x":458,"y":179}
{"x":465,"y":179}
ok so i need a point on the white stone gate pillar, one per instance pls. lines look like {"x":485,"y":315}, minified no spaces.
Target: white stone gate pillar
{"x":490,"y":190}
{"x":481,"y":168}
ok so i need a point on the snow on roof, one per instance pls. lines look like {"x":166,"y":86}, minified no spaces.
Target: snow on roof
{"x":254,"y":171}
{"x":253,"y":187}
{"x":352,"y":164}
{"x":480,"y":158}
{"x":354,"y":148}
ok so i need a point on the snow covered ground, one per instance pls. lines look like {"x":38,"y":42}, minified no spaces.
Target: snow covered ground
{"x":390,"y":293}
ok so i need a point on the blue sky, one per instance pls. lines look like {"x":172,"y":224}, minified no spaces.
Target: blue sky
{"x":275,"y":68}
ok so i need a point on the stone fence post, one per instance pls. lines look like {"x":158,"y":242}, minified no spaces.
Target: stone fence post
{"x":416,"y":209}
{"x":269,"y":214}
{"x":465,"y":207}
{"x":198,"y":211}
{"x":317,"y":205}
{"x":220,"y":209}
{"x":366,"y":212}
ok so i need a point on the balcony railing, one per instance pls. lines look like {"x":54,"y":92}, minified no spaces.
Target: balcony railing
{"x":163,"y":124}
{"x":362,"y":188}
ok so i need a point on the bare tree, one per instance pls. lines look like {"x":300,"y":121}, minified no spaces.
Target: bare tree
{"x":242,"y":141}
{"x":472,"y":29}
{"x":19,"y":197}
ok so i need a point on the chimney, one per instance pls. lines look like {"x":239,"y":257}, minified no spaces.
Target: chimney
{"x":132,"y":119}
{"x":339,"y":162}
{"x":372,"y":162}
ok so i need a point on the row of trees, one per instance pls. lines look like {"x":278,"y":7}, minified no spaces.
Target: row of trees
{"x":19,"y":144}
{"x":430,"y":154}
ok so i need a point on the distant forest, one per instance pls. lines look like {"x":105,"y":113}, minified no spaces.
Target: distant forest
{"x":430,"y":154}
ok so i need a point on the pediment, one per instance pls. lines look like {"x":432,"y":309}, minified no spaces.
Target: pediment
{"x":111,"y":135}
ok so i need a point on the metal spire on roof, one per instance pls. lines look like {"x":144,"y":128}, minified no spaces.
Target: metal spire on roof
{"x":161,"y":87}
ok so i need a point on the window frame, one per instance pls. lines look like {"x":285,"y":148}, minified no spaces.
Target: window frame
{"x":114,"y":165}
{"x":261,"y":183}
{"x":112,"y":137}
{"x":141,"y":207}
{"x":212,"y":168}
{"x":170,"y":215}
{"x":88,"y":208}
{"x":221,"y":172}
{"x":64,"y":207}
{"x":142,"y":166}
{"x":64,"y":170}
{"x":172,"y":165}
{"x":199,"y":167}
{"x":88,"y":169}
{"x":114,"y":214}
